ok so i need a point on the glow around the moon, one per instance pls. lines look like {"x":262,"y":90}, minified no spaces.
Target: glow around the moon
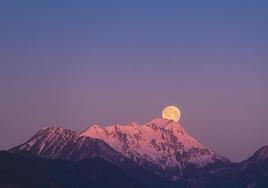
{"x":171,"y":113}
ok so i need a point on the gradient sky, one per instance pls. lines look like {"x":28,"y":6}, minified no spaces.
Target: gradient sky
{"x":76,"y":63}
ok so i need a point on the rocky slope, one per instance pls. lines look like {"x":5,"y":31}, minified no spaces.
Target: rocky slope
{"x":59,"y":143}
{"x":160,"y":144}
{"x":156,"y":152}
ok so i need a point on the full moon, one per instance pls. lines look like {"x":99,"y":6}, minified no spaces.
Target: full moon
{"x":171,"y":113}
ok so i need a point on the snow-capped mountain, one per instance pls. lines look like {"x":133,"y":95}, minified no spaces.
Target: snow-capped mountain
{"x":161,"y":146}
{"x":59,"y":143}
{"x":157,"y":151}
{"x":161,"y":143}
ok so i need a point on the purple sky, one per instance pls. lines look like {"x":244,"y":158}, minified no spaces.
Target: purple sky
{"x":74,"y":64}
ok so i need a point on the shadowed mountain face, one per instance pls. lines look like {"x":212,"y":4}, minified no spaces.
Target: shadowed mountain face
{"x":19,"y":171}
{"x":253,"y":172}
{"x":157,"y":154}
{"x":26,"y":170}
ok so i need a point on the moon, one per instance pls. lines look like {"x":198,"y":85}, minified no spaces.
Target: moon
{"x":171,"y":113}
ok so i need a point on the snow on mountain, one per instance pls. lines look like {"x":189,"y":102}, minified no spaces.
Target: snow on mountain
{"x":160,"y":146}
{"x":161,"y":143}
{"x":59,"y":143}
{"x":49,"y":141}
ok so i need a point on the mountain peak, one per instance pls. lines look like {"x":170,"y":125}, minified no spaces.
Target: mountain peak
{"x":92,"y":127}
{"x":161,"y":143}
{"x":262,"y":153}
{"x":164,"y":123}
{"x":54,"y":129}
{"x":161,"y":121}
{"x":59,"y":143}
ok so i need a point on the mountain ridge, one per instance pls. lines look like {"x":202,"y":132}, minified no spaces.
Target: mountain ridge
{"x":161,"y":146}
{"x":164,"y":142}
{"x":129,"y":147}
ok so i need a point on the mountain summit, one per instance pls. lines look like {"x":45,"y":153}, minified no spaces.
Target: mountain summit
{"x":152,"y":154}
{"x":161,"y":146}
{"x":161,"y":143}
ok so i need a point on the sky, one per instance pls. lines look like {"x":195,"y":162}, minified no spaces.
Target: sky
{"x":77,"y":63}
